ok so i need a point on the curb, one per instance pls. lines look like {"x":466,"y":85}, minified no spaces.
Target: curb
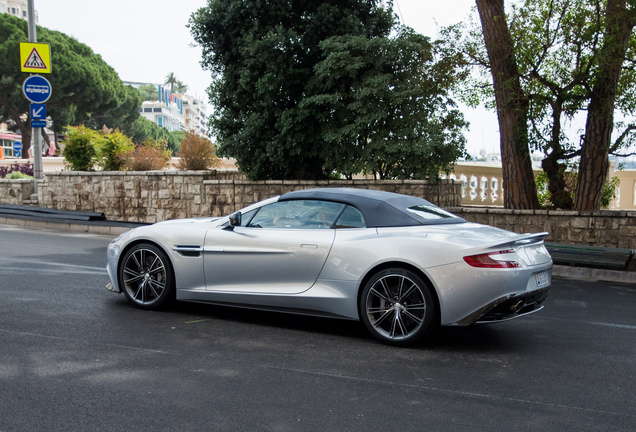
{"x":116,"y":228}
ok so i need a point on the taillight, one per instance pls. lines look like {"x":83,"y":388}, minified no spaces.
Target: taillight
{"x":493,"y":260}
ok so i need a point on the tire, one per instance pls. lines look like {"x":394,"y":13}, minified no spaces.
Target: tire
{"x":397,"y":307}
{"x":146,"y":276}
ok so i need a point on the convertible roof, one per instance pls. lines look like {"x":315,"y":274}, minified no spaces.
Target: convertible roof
{"x":379,"y":208}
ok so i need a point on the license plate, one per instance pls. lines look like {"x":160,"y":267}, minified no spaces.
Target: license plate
{"x":542,"y":279}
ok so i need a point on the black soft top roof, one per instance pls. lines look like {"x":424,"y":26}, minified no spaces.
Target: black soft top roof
{"x":379,"y":208}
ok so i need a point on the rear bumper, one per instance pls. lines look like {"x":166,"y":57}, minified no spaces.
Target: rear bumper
{"x":508,"y":307}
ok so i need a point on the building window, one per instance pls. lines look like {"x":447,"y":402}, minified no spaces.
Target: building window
{"x":24,"y":13}
{"x":147,"y":109}
{"x":156,"y":110}
{"x":13,"y":11}
{"x":160,"y":121}
{"x":7,"y":147}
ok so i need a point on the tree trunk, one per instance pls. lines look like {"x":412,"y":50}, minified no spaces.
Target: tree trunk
{"x":520,"y":191}
{"x":560,"y":196}
{"x":25,"y":128}
{"x":594,"y":164}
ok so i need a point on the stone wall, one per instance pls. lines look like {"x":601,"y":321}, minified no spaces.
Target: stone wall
{"x":604,"y":228}
{"x":154,"y":196}
{"x":228,"y":196}
{"x":149,"y":196}
{"x":16,"y":191}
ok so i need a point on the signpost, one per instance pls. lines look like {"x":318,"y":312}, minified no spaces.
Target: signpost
{"x":35,"y":58}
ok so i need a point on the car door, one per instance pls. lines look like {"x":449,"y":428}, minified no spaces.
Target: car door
{"x":280,"y":250}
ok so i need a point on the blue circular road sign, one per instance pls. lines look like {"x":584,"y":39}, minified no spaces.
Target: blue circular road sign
{"x":17,"y":149}
{"x":37,"y":89}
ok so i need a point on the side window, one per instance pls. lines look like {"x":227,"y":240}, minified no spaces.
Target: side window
{"x":351,"y":218}
{"x":297,"y":214}
{"x":247,"y":217}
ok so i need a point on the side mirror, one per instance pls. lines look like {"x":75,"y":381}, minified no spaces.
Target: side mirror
{"x":235,"y":220}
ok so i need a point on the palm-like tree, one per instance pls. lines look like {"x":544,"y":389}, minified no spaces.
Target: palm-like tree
{"x":180,"y":87}
{"x":171,"y":79}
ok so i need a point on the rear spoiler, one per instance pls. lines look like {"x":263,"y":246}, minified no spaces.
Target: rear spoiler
{"x":517,"y":240}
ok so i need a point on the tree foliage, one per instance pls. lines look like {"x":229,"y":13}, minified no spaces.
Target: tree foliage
{"x":148,"y":92}
{"x":143,"y":129}
{"x":562,"y":49}
{"x":263,"y":57}
{"x":85,"y":89}
{"x":384,"y":108}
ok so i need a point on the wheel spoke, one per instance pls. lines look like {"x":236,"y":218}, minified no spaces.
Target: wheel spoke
{"x":400,"y":325}
{"x":399,"y":293}
{"x":151,"y":287}
{"x":417,"y":319}
{"x":140,"y":289}
{"x":382,"y":318}
{"x":408,"y":292}
{"x":133,"y":279}
{"x":139,"y":265}
{"x":380,"y":295}
{"x":387,"y":291}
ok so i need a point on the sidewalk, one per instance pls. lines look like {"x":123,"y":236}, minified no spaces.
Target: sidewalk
{"x":115,"y":228}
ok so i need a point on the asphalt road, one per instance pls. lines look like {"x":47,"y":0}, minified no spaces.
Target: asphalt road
{"x":74,"y":356}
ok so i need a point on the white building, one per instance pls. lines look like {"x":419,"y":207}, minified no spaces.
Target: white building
{"x":17,"y":8}
{"x":195,"y":117}
{"x":174,"y":111}
{"x":165,"y":115}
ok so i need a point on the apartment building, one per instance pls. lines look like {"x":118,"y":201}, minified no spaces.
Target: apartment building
{"x":17,"y":8}
{"x":174,"y":111}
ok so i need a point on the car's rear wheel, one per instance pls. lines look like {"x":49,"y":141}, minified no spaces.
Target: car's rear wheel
{"x":397,"y":307}
{"x":146,"y":276}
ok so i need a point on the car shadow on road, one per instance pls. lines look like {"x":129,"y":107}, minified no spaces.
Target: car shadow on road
{"x":478,"y":338}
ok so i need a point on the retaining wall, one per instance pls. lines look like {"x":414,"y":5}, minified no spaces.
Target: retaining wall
{"x":16,"y":191}
{"x":159,"y":195}
{"x":603,"y":228}
{"x":153,"y":196}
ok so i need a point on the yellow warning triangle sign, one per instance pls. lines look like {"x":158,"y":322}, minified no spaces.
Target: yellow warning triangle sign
{"x":34,"y":61}
{"x":35,"y":57}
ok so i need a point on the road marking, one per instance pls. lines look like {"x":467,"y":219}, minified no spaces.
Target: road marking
{"x":36,"y":266}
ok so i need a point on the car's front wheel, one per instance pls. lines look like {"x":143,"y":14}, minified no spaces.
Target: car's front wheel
{"x":397,"y":307}
{"x":146,"y":276}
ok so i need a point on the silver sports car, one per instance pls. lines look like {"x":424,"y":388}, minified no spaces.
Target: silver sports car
{"x":397,"y":263}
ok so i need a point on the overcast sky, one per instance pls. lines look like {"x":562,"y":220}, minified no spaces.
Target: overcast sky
{"x":144,"y":40}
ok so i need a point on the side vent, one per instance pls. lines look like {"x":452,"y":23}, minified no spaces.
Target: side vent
{"x":188,"y":250}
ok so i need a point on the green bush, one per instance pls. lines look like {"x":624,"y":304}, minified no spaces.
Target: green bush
{"x":17,"y":175}
{"x":113,"y":150}
{"x":79,"y":147}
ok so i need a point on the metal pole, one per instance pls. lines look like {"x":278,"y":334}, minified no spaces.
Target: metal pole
{"x":35,"y":132}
